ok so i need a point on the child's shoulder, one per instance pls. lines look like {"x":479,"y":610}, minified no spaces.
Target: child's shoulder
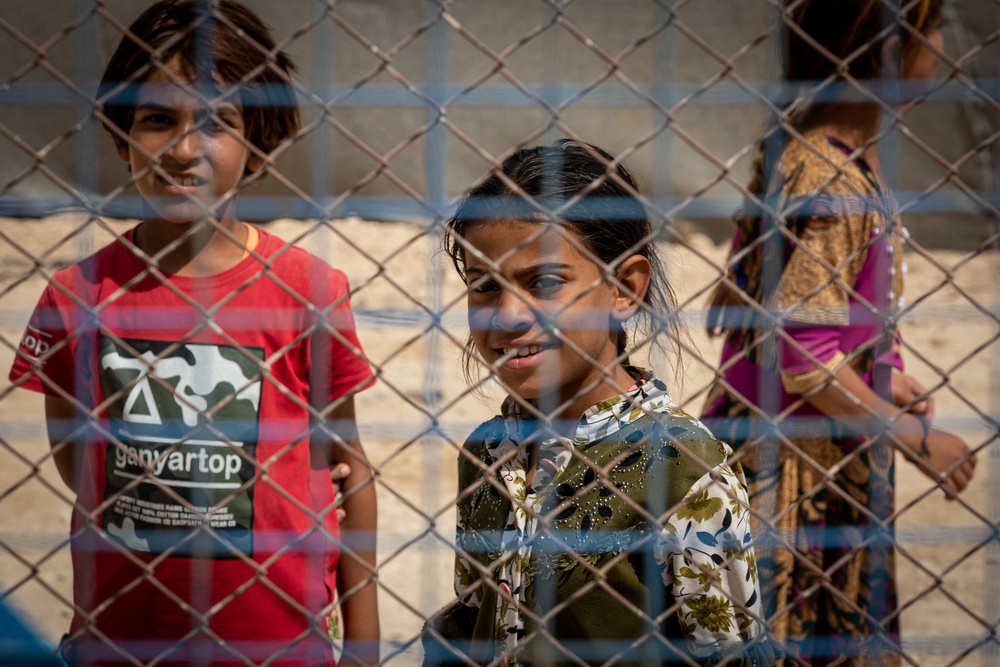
{"x":680,"y":422}
{"x":673,"y":429}
{"x":114,"y":261}
{"x":475,"y":454}
{"x":816,"y":164}
{"x":297,"y":266}
{"x":677,"y":446}
{"x":485,"y":437}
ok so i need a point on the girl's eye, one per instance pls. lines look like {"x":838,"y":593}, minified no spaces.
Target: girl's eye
{"x":482,"y":287}
{"x":548,"y":283}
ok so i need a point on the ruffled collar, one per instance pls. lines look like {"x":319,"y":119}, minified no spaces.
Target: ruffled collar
{"x":602,"y":419}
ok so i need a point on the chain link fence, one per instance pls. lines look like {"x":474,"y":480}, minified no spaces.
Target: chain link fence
{"x":405,"y":104}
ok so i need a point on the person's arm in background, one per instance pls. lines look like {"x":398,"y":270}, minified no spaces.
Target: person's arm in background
{"x":356,"y":582}
{"x":814,"y":367}
{"x":852,"y":402}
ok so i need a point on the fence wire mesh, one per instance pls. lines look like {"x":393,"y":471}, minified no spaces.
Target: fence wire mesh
{"x":404,"y":106}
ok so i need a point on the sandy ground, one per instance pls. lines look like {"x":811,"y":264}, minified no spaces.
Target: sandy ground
{"x":947,"y":564}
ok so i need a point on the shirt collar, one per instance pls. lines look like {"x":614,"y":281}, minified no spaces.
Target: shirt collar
{"x":602,"y":419}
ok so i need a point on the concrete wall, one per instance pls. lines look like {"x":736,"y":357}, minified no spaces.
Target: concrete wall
{"x":550,"y":86}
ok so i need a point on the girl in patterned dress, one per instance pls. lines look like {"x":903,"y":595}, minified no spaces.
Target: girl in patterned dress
{"x":597,"y":522}
{"x":810,"y":390}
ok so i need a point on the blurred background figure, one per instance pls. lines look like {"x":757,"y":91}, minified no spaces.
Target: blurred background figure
{"x":814,"y":278}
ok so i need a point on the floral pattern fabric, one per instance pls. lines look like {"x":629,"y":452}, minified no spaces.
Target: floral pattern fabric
{"x":582,"y":516}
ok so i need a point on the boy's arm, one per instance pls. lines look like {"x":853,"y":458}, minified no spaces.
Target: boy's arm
{"x":64,"y":422}
{"x":359,"y":607}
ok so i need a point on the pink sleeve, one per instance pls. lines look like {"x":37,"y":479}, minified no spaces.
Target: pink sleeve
{"x":812,"y":345}
{"x":891,"y":358}
{"x":894,"y":357}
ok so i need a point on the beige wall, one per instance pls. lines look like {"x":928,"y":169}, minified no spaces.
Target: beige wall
{"x":498,"y":115}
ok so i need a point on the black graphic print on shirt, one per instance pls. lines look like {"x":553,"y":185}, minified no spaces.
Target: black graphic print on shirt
{"x":173,"y":473}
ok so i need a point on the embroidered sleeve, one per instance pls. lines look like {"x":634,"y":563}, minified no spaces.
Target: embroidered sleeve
{"x":821,"y":374}
{"x":470,"y":544}
{"x":467,"y":544}
{"x":707,"y":557}
{"x":467,"y":584}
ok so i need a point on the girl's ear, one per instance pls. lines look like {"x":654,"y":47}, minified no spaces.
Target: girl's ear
{"x":632,"y":282}
{"x":254,"y":163}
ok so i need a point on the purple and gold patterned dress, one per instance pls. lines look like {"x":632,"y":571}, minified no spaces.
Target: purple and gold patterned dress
{"x":820,"y":269}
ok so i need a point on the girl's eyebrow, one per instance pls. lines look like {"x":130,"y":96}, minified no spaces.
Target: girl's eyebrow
{"x":528,"y":270}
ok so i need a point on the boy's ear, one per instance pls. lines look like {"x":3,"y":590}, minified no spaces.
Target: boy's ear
{"x":254,"y":163}
{"x":121,"y":149}
{"x":633,"y":281}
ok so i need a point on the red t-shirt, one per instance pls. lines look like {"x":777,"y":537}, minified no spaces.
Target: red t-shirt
{"x":200,"y":512}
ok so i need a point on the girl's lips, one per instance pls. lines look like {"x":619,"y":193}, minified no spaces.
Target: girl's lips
{"x":523,"y":356}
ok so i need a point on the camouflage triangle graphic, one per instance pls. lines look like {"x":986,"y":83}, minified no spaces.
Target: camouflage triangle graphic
{"x":140,"y":407}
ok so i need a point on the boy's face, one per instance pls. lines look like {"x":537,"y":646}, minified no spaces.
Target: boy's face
{"x":184,"y":158}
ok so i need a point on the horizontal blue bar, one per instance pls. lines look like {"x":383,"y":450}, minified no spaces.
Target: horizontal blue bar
{"x":264,"y":208}
{"x":608,"y":94}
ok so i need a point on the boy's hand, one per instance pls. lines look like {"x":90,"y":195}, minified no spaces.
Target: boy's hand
{"x":338,"y":474}
{"x":357,"y":568}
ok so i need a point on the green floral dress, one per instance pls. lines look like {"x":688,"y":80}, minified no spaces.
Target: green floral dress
{"x":631,"y":545}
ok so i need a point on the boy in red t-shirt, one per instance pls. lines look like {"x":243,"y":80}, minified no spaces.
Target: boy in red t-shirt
{"x":199,"y":376}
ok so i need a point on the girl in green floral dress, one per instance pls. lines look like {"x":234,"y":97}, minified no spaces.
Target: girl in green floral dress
{"x":597,"y":522}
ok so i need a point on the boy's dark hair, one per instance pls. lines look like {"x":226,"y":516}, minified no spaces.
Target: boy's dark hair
{"x":218,"y":41}
{"x":582,"y":187}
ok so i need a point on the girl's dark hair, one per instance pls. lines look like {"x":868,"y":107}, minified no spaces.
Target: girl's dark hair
{"x":216,"y":41}
{"x":850,"y":30}
{"x":582,"y":187}
{"x":822,"y":39}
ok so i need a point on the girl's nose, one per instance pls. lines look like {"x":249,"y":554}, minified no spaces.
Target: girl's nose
{"x":513,"y":312}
